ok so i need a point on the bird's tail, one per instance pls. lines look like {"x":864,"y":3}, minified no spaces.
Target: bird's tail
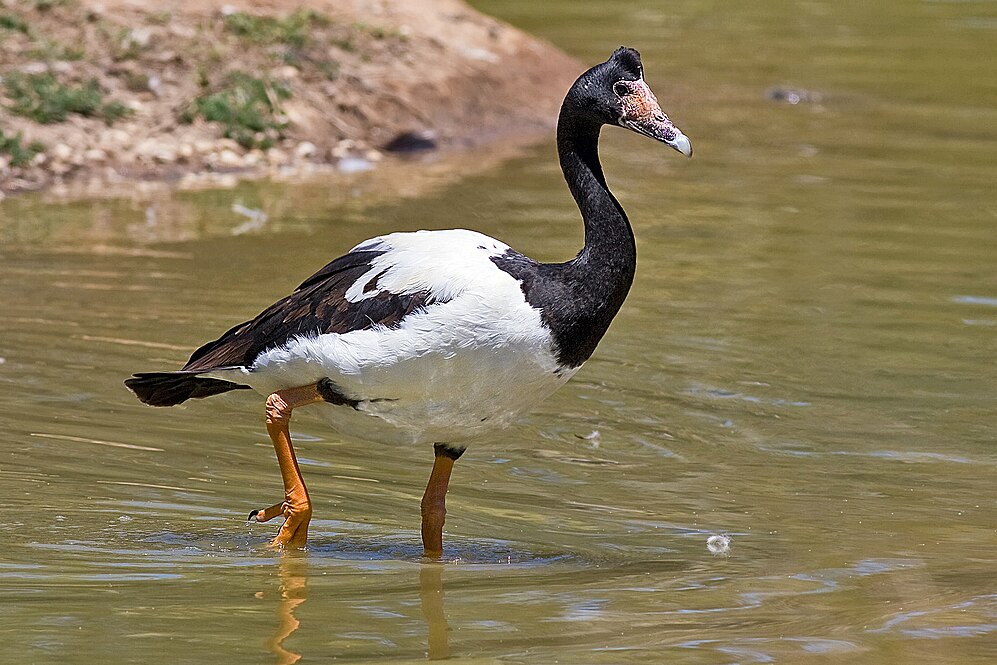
{"x":170,"y":388}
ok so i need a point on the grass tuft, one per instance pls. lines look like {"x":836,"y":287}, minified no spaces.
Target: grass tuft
{"x":14,"y":23}
{"x":292,"y":30}
{"x":248,"y":109}
{"x":43,"y":99}
{"x":49,"y":50}
{"x":18,"y":153}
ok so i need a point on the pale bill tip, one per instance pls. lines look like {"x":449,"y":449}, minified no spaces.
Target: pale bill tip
{"x":682,"y":144}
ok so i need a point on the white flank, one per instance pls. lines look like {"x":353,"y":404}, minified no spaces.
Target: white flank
{"x":465,"y":365}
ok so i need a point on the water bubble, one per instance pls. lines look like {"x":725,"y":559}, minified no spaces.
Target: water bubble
{"x":718,"y":545}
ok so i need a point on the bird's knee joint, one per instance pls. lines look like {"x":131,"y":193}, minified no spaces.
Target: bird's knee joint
{"x":277,"y":409}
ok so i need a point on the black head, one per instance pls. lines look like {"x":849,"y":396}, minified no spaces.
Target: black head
{"x":625,"y":62}
{"x":614,"y":93}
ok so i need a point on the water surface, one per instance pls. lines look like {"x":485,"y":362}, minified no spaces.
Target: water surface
{"x":805,"y":364}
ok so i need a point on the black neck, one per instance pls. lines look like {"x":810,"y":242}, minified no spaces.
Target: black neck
{"x":579,"y":299}
{"x":607,"y":262}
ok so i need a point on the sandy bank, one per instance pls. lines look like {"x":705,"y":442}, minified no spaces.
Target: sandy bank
{"x":110,"y":92}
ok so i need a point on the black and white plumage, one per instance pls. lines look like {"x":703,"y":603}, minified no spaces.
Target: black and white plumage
{"x":442,"y":336}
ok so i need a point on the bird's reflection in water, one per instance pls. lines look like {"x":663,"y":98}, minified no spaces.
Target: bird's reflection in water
{"x":431,"y":600}
{"x":292,"y":571}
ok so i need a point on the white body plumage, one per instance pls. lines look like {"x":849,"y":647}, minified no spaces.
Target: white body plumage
{"x":468,"y":363}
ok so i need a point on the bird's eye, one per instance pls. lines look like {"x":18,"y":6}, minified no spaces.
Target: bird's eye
{"x":621,"y":89}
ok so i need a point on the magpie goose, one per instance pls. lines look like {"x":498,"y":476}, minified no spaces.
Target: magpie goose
{"x":438,"y":336}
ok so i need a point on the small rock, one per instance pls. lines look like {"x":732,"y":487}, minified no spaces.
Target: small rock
{"x":119,"y":136}
{"x":276,"y":156}
{"x":62,"y":152}
{"x":168,"y":56}
{"x":410,"y":142}
{"x":35,"y":68}
{"x":165,"y":154}
{"x":59,"y":168}
{"x":140,"y":37}
{"x":304,"y":150}
{"x":343,"y":148}
{"x":288,"y":72}
{"x":229,"y":158}
{"x":95,"y":155}
{"x":185,"y":151}
{"x":155,"y":85}
{"x":481,"y":54}
{"x":156,"y":150}
{"x":183,"y":31}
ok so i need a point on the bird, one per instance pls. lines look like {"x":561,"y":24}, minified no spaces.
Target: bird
{"x":438,"y":336}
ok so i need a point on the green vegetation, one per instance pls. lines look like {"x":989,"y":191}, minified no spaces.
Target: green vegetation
{"x":49,"y":50}
{"x":380,"y":32}
{"x":14,"y":23}
{"x":43,"y":49}
{"x":162,"y":17}
{"x":18,"y":153}
{"x":124,"y":45}
{"x":43,"y":99}
{"x":46,"y":5}
{"x":291,"y":30}
{"x":247,"y":107}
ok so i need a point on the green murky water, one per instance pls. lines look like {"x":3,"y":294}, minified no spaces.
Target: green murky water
{"x":806,"y":364}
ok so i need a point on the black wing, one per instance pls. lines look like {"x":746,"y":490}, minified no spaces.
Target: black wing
{"x":317,"y":306}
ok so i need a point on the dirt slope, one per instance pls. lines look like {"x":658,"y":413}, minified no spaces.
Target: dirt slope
{"x":309,"y":82}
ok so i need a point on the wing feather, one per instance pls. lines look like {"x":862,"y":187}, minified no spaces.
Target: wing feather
{"x":319,"y":305}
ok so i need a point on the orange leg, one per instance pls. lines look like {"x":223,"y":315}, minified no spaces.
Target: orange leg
{"x":434,"y":501}
{"x":296,"y":506}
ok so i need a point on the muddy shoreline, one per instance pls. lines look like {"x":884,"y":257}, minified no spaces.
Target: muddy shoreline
{"x":97,"y":95}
